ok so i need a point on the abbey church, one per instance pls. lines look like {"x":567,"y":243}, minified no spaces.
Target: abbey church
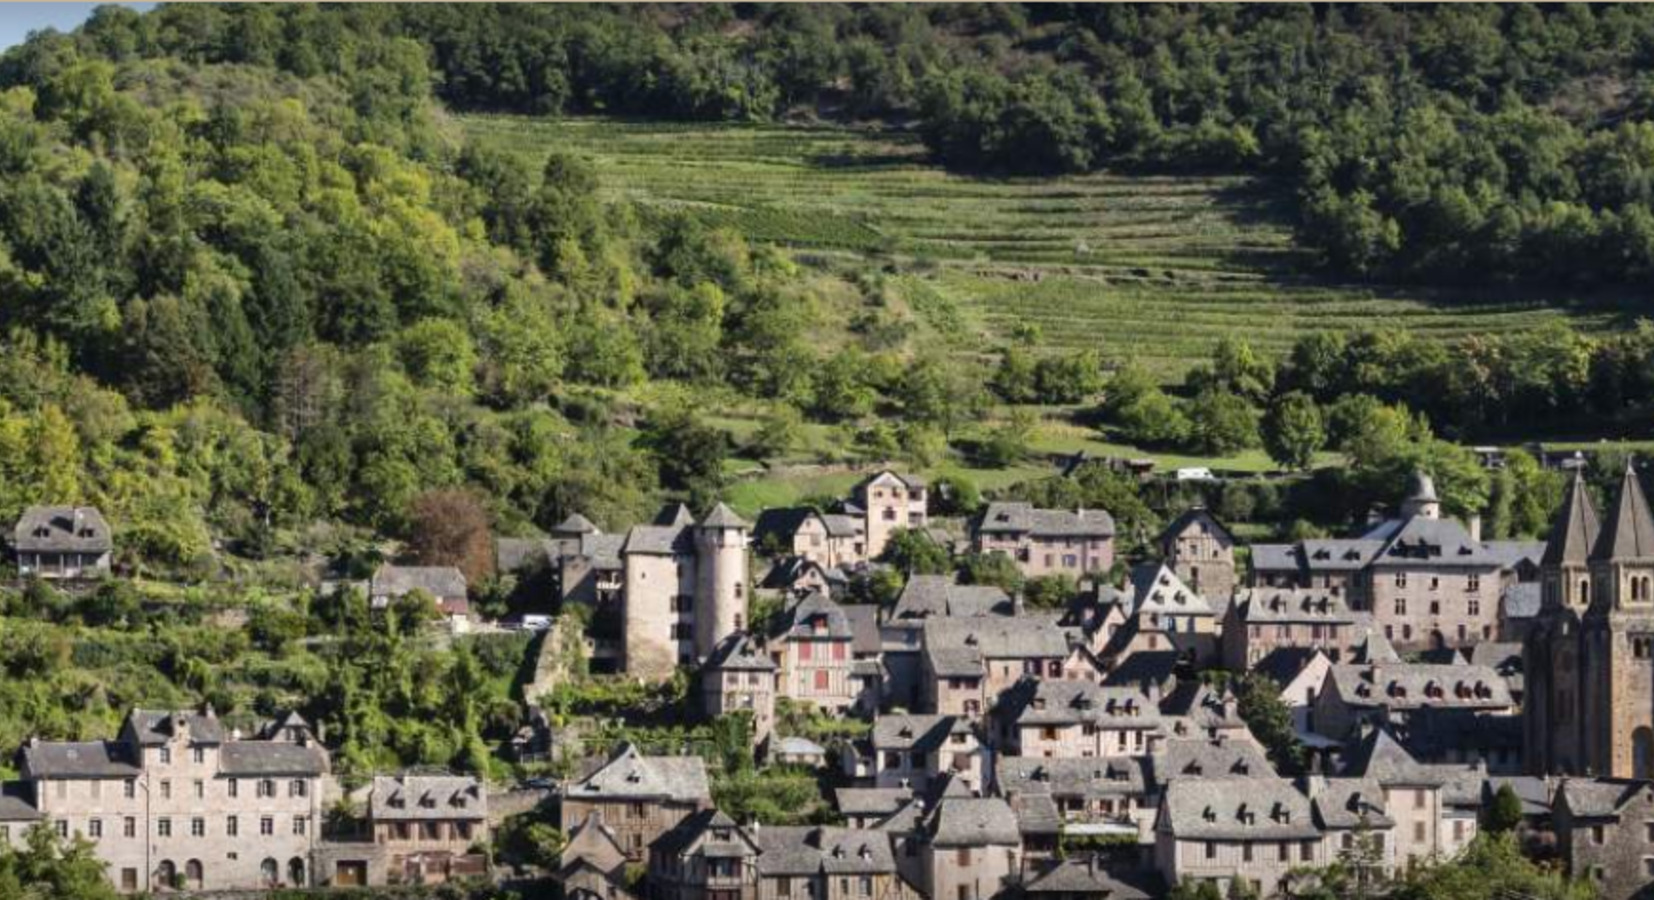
{"x":1590,"y":659}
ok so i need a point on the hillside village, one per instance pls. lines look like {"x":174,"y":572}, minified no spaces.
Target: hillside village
{"x":1373,"y":702}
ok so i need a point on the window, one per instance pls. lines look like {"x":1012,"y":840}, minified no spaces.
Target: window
{"x":1435,"y":583}
{"x":821,"y":680}
{"x":163,"y":827}
{"x":94,"y":828}
{"x":166,"y":756}
{"x":131,"y":788}
{"x":198,"y":827}
{"x":267,"y":825}
{"x":266,"y":788}
{"x":129,"y":827}
{"x":297,"y":788}
{"x":784,"y":887}
{"x":200,"y":789}
{"x":166,"y":789}
{"x":1285,"y":851}
{"x":964,"y":857}
{"x":1418,"y":832}
{"x":1418,"y":798}
{"x":235,"y":787}
{"x":865,"y":887}
{"x":806,"y":650}
{"x":1473,"y":582}
{"x":636,"y":811}
{"x":232,"y":826}
{"x":1473,"y":606}
{"x":839,"y":651}
{"x":1598,"y":836}
{"x":299,"y":825}
{"x":1401,"y":579}
{"x":1648,"y":866}
{"x":1246,"y":852}
{"x":1642,"y":646}
{"x":198,"y":755}
{"x":1401,"y":606}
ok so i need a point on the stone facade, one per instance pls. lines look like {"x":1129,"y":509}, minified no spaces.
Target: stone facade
{"x":179,"y":799}
{"x":686,"y":589}
{"x":890,"y":502}
{"x":1201,"y":551}
{"x":1047,"y":541}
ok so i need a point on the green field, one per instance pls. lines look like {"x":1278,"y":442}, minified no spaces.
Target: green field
{"x":1155,"y":268}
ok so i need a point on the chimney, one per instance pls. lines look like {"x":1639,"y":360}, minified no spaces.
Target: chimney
{"x":1474,"y":524}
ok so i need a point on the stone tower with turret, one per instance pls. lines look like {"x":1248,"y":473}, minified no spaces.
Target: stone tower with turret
{"x":1617,"y":641}
{"x":1551,"y":651}
{"x":721,"y":541}
{"x":1421,"y":499}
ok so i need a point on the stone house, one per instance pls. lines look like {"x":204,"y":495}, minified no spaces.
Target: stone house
{"x":1427,"y":581}
{"x":1349,"y":810}
{"x":813,"y":647}
{"x":443,"y":584}
{"x":828,"y":863}
{"x":179,"y":798}
{"x":1262,"y":620}
{"x":1201,"y":550}
{"x":1085,"y":878}
{"x":1163,"y":604}
{"x":969,"y":662}
{"x":1605,"y":834}
{"x":1299,"y":672}
{"x":864,"y":807}
{"x":1077,"y":719}
{"x":1111,"y":790}
{"x":1253,"y":830}
{"x":430,"y":826}
{"x":828,"y":539}
{"x":1354,"y":696}
{"x":18,"y":814}
{"x":1046,"y":541}
{"x":740,"y":676}
{"x":593,"y":864}
{"x":972,"y":848}
{"x":62,"y":542}
{"x":1196,"y":710}
{"x":1433,"y":807}
{"x":706,"y":857}
{"x":915,"y":751}
{"x":686,"y":588}
{"x":890,"y":501}
{"x":638,"y":797}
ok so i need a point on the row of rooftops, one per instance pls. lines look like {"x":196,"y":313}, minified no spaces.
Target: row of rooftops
{"x":284,"y":747}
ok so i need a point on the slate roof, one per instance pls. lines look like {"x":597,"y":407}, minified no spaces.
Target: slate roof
{"x":1339,"y":554}
{"x":782,"y":522}
{"x":739,"y":844}
{"x":1092,"y":778}
{"x":864,"y":628}
{"x":517,"y":554}
{"x":922,"y":732}
{"x":1436,"y":732}
{"x":1599,"y":798}
{"x":1158,"y":590}
{"x":1374,"y":648}
{"x":798,"y":620}
{"x":151,"y":727}
{"x":1035,"y":702}
{"x":603,"y":550}
{"x":973,"y":822}
{"x":1275,"y":605}
{"x":1574,"y":530}
{"x":658,"y":540}
{"x":426,"y":797}
{"x":1158,"y":667}
{"x":629,"y":774}
{"x":871,"y":801}
{"x":997,"y":638}
{"x":14,"y":807}
{"x":1436,"y":542}
{"x":576,"y":524}
{"x":255,"y":758}
{"x":1345,"y":803}
{"x":674,"y":515}
{"x":1283,"y":664}
{"x":1628,"y":529}
{"x":595,"y":844}
{"x":62,"y":529}
{"x":1202,"y":704}
{"x":78,"y":759}
{"x":722,"y":516}
{"x":1275,"y":558}
{"x":1404,"y":686}
{"x":1245,"y":809}
{"x":739,"y":653}
{"x":813,"y":850}
{"x":938,"y":595}
{"x":1379,"y":756}
{"x":1189,"y":517}
{"x":1016,"y":517}
{"x":1183,"y":759}
{"x":907,"y":480}
{"x":1512,"y":554}
{"x":441,"y":582}
{"x":1085,"y":877}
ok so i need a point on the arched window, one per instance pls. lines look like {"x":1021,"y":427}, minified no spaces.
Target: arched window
{"x":269,"y":872}
{"x":166,"y":874}
{"x":193,"y":874}
{"x":295,"y":872}
{"x":1642,"y":752}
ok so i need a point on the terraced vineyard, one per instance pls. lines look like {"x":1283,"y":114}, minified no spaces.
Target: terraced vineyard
{"x":1155,"y":267}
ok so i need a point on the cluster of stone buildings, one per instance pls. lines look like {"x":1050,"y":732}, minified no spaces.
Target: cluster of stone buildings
{"x":1085,"y":751}
{"x":1074,"y":751}
{"x":182,"y":800}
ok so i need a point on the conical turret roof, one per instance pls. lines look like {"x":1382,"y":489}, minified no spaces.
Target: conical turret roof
{"x":1422,"y":488}
{"x":1574,"y":532}
{"x":1628,"y":532}
{"x":722,"y":516}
